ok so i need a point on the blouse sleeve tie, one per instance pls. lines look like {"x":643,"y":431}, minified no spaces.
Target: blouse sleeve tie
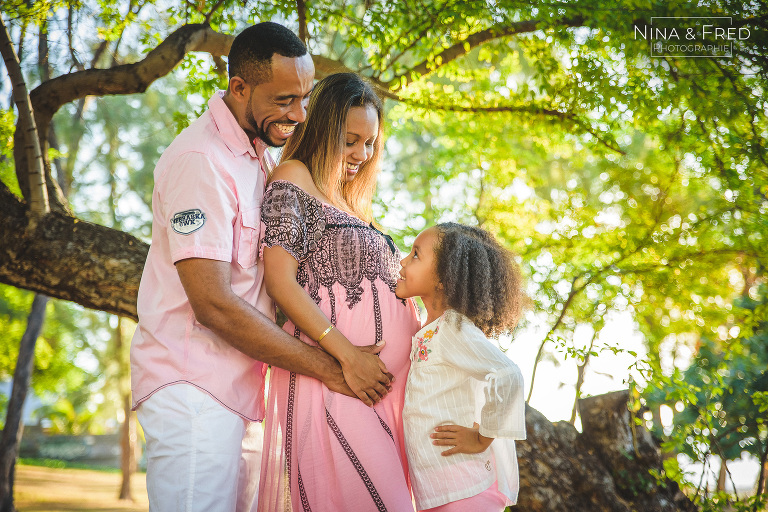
{"x":492,"y":392}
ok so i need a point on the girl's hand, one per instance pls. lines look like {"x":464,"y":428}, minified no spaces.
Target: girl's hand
{"x":463,"y":439}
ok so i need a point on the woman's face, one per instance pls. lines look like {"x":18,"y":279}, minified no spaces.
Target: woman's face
{"x":362,"y":130}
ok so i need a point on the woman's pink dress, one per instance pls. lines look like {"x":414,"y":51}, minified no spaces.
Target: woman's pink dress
{"x":324,"y":451}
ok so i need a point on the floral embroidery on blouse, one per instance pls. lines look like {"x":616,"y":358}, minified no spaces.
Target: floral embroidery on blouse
{"x":423,"y":350}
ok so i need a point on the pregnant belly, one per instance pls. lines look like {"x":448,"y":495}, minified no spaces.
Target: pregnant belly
{"x":396,"y":323}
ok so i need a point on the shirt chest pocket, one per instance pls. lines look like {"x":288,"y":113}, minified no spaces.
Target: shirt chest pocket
{"x":247,"y":236}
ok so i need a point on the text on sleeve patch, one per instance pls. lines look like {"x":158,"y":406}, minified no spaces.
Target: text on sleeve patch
{"x":188,"y":221}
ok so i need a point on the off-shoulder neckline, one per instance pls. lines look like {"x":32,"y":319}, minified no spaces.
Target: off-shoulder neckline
{"x":313,"y":198}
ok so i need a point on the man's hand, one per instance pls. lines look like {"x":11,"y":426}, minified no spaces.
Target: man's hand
{"x":335,"y":379}
{"x":338,"y":384}
{"x":375,"y":350}
{"x":463,"y":439}
{"x":366,"y":374}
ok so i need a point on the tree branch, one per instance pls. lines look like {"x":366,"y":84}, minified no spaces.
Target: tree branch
{"x":38,"y":196}
{"x":301,"y":10}
{"x":69,"y":259}
{"x":581,"y":369}
{"x":426,"y":26}
{"x":325,"y":66}
{"x":51,"y":95}
{"x":128,"y":16}
{"x":215,"y":8}
{"x":130,"y":78}
{"x":463,"y":47}
{"x":527,"y":109}
{"x":572,"y":295}
{"x":72,"y":52}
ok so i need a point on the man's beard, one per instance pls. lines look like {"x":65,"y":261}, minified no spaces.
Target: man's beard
{"x":260,"y":132}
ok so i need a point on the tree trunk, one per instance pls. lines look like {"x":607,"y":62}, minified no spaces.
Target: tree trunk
{"x":603,"y":469}
{"x":127,"y":450}
{"x":722,"y":475}
{"x":581,"y":370}
{"x":762,"y":477}
{"x":121,"y":354}
{"x":19,"y":54}
{"x":9,"y":443}
{"x":656,"y":415}
{"x":128,"y":428}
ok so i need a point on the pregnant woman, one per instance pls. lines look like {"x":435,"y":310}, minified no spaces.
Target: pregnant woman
{"x":334,"y":275}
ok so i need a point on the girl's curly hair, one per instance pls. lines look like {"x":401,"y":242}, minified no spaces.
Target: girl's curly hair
{"x":479,"y":278}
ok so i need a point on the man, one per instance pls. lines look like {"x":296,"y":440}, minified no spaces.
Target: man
{"x":206,"y":330}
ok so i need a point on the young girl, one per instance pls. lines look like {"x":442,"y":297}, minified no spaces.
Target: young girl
{"x":471,"y":289}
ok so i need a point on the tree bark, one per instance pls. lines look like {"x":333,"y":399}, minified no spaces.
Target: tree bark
{"x":762,"y":477}
{"x":66,"y":258}
{"x":605,"y":468}
{"x":20,"y":53}
{"x":9,"y":443}
{"x":38,"y":208}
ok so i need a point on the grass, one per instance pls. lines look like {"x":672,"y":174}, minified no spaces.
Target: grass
{"x":53,"y":489}
{"x":62,"y":464}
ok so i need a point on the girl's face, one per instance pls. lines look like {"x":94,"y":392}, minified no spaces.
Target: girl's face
{"x":362,"y":130}
{"x":418,"y":275}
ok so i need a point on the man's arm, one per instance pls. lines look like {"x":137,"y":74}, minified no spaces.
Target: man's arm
{"x":365,"y":373}
{"x":217,"y":307}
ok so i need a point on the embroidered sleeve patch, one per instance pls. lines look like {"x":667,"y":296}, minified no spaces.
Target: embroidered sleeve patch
{"x":188,"y":221}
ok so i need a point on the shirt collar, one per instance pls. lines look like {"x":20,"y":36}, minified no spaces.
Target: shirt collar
{"x":231,"y":132}
{"x":430,"y":326}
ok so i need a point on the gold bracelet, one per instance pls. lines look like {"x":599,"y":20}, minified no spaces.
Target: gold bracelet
{"x":324,"y":333}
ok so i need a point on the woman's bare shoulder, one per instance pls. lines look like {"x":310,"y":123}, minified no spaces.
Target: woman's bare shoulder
{"x":295,"y":172}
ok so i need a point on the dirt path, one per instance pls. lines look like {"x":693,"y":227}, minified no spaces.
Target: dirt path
{"x":39,"y":489}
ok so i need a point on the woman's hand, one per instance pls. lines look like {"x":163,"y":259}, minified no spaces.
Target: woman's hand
{"x":463,"y":439}
{"x":366,"y":375}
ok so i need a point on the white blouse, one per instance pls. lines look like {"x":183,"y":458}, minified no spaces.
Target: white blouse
{"x":459,"y":377}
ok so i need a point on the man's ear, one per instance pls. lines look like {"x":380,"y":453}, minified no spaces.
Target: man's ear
{"x":238,"y":88}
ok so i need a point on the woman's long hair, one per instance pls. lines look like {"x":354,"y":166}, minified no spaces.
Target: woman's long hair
{"x":319,"y":142}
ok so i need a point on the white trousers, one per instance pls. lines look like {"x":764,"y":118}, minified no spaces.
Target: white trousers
{"x":200,"y":455}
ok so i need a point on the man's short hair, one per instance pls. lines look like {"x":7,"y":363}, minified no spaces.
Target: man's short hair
{"x":250,"y":56}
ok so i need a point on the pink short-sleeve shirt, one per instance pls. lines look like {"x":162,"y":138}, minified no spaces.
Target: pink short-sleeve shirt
{"x":209,"y":185}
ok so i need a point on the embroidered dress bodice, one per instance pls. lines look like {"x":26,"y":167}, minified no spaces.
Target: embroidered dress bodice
{"x":331,"y":246}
